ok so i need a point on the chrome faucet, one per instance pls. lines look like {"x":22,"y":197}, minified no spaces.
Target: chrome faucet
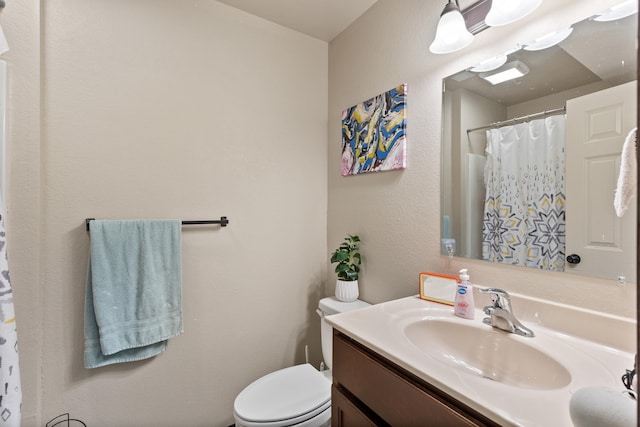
{"x":501,"y":315}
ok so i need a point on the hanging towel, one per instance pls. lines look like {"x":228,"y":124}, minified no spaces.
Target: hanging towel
{"x":134,"y":290}
{"x":628,"y":177}
{"x":11,"y":391}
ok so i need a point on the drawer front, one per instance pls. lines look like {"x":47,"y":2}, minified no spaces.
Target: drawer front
{"x":344,"y":413}
{"x":399,"y":400}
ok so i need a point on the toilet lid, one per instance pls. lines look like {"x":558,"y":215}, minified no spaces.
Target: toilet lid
{"x":293,"y":394}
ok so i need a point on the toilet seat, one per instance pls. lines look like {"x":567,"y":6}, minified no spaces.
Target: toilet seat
{"x":286,"y":397}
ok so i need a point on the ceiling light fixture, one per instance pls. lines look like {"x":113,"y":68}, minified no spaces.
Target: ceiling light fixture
{"x":451,"y":34}
{"x":489,"y":64}
{"x":505,"y":12}
{"x":512,"y":70}
{"x":618,"y":11}
{"x":548,"y":40}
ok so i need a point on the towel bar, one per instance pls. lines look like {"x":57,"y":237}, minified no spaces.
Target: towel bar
{"x":223,"y":221}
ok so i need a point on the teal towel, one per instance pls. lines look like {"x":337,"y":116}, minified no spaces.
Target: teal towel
{"x":133,"y":299}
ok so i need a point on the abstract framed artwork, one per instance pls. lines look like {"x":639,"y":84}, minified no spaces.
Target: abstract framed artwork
{"x":374,"y":134}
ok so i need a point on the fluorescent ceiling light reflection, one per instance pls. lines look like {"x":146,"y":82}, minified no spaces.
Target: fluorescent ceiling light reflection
{"x":512,"y":70}
{"x":548,"y":40}
{"x":451,"y":34}
{"x":489,"y":64}
{"x":618,"y":11}
{"x":505,"y":12}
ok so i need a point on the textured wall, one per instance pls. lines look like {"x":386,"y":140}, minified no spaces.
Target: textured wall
{"x":190,"y":110}
{"x":397,"y":214}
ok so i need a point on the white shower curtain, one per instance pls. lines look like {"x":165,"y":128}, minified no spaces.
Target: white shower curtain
{"x":10,"y":386}
{"x":524,"y":213}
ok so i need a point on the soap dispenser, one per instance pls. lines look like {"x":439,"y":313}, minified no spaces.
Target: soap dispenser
{"x":463,"y":304}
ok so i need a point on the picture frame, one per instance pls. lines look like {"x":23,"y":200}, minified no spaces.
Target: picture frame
{"x":436,"y":287}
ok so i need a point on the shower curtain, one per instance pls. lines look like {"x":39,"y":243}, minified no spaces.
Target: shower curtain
{"x":524,"y":212}
{"x":11,"y":390}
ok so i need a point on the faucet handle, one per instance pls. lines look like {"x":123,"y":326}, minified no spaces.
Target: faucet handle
{"x":499,"y":297}
{"x":489,"y":310}
{"x":494,"y":291}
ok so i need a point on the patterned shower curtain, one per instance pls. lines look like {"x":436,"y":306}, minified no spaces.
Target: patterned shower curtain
{"x":10,"y":386}
{"x":524,"y":212}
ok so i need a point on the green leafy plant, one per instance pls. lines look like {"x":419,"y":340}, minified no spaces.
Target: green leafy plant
{"x":348,"y":258}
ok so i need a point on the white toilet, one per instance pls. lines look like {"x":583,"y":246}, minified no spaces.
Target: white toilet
{"x":296,"y":396}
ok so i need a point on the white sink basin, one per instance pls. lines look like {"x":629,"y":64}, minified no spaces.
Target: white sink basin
{"x":514,"y":380}
{"x":488,"y":353}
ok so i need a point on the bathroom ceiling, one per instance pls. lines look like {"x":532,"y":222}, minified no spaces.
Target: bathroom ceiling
{"x":322,"y":19}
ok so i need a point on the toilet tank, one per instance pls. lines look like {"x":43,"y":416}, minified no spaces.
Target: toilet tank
{"x":326,"y":307}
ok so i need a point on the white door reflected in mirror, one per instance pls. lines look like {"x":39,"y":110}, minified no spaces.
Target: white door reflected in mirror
{"x":597,"y":127}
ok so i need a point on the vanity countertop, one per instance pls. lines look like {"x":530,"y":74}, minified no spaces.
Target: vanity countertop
{"x":382,"y":327}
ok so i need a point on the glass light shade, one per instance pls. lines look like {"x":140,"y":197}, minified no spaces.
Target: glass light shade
{"x":505,"y":12}
{"x":489,"y":64}
{"x":451,"y":34}
{"x":618,"y":11}
{"x":548,"y":40}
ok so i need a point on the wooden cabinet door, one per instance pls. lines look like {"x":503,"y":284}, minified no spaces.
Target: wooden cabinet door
{"x":344,"y":413}
{"x":391,"y":396}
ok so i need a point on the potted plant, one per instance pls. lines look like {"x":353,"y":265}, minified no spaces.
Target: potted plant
{"x":348,"y":260}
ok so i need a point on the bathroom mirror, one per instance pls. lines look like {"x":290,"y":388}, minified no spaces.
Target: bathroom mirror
{"x":574,"y":227}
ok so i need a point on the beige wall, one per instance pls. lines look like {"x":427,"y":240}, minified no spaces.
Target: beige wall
{"x":397,"y":214}
{"x":165,"y":109}
{"x":190,"y":109}
{"x":471,"y":110}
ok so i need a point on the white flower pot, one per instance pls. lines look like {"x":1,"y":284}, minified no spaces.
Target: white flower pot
{"x":347,"y":291}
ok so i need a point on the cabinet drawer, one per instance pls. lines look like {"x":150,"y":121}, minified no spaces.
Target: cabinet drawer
{"x":344,"y":412}
{"x":395,"y":395}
